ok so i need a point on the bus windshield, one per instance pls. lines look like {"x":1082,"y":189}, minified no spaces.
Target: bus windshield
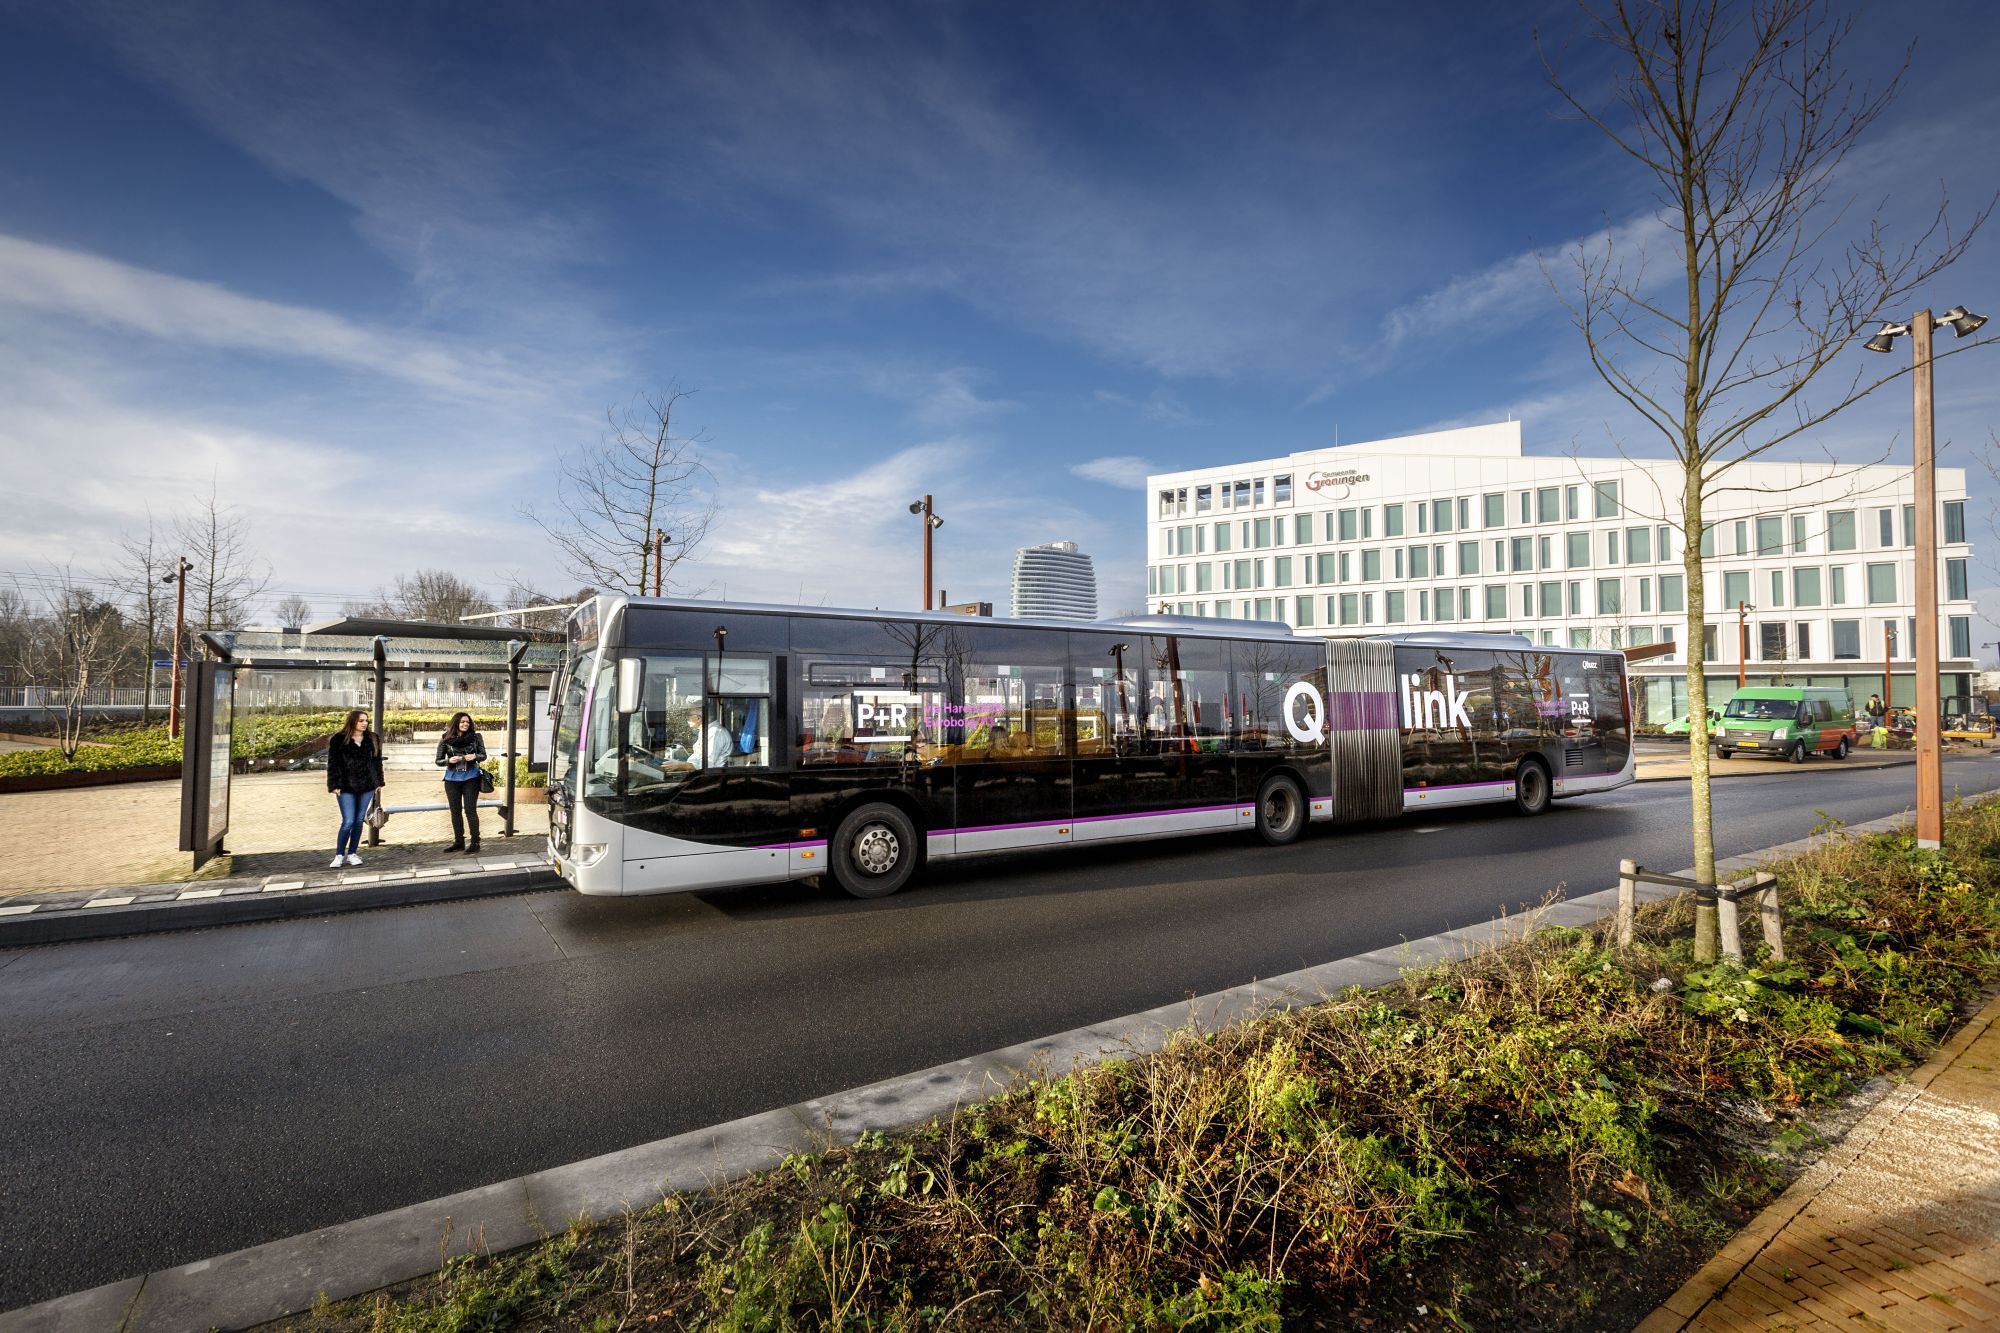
{"x":1762,"y":710}
{"x":569,"y":723}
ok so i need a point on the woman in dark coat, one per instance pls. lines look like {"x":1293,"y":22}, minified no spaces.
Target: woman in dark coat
{"x":460,"y":754}
{"x":353,"y":775}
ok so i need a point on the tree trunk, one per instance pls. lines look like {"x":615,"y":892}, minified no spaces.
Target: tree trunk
{"x":1707,"y":940}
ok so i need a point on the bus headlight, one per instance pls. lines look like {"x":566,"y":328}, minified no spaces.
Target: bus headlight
{"x":588,"y":853}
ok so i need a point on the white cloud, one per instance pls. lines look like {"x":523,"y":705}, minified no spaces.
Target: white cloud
{"x":1125,"y":471}
{"x":51,"y":280}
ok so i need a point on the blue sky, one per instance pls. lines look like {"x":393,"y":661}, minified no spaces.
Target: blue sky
{"x":371,"y":267}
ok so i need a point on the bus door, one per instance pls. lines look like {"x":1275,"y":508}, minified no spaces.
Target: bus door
{"x":1014,"y":782}
{"x":1188,"y":733}
{"x":1116,"y":784}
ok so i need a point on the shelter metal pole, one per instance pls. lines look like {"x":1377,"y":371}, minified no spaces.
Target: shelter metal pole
{"x":516,"y":648}
{"x":381,"y":689}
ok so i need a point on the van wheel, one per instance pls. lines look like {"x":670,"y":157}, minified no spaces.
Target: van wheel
{"x":1721,"y":753}
{"x":1531,"y":787}
{"x":1798,"y":754}
{"x":1281,"y":811}
{"x":1840,"y":750}
{"x":874,"y":853}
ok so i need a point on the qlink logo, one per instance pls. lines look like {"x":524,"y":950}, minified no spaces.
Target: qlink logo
{"x":1433,"y":708}
{"x":1307,"y":724}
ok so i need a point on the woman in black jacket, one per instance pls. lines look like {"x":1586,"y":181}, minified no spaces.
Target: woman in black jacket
{"x":460,"y":754}
{"x":353,"y":775}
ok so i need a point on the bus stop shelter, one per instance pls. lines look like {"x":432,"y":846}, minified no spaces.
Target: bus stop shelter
{"x":342,"y":662}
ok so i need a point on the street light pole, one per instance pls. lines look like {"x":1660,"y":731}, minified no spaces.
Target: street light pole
{"x":1930,"y":711}
{"x":1742,"y":643}
{"x":179,"y":579}
{"x":931,"y":524}
{"x":1930,"y":760}
{"x":660,"y":540}
{"x":1888,"y":656}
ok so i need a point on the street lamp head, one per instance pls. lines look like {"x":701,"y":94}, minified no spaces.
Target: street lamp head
{"x":916,"y":506}
{"x":936,"y":522}
{"x":1885,"y":338}
{"x":1963,"y":322}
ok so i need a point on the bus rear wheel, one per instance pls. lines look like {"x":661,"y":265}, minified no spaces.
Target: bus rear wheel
{"x":1531,"y":787}
{"x":874,"y":853}
{"x":1281,"y":811}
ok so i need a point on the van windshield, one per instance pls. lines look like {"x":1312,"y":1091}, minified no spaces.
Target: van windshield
{"x":1762,"y":710}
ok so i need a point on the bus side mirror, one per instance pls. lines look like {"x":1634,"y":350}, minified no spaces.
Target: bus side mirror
{"x":631,"y":680}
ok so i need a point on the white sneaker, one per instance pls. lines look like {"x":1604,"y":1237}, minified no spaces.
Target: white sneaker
{"x":336,"y":863}
{"x":353,"y":860}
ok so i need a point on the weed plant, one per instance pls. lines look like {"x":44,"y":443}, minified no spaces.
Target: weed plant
{"x":1435,"y":1138}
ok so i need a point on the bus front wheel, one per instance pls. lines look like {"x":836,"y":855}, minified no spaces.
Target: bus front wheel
{"x":874,"y":853}
{"x":1281,"y":811}
{"x":1531,"y":788}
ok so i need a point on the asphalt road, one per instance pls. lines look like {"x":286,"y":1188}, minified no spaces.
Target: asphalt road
{"x":171,"y":1097}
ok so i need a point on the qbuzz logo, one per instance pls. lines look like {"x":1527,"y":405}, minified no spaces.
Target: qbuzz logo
{"x":1307,"y":724}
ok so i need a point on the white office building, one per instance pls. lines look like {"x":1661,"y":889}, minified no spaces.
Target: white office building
{"x":1461,"y":529}
{"x":1054,"y":581}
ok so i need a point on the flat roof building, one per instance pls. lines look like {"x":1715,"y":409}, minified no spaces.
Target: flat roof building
{"x":1461,"y":529}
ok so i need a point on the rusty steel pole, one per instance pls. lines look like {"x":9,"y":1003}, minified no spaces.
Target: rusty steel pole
{"x":174,"y":677}
{"x":1742,"y":643}
{"x":1930,"y":762}
{"x":659,"y":559}
{"x":1888,"y":655}
{"x":927,"y":552}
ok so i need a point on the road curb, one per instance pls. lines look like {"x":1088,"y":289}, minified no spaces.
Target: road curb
{"x":247,"y":904}
{"x":284,"y":1277}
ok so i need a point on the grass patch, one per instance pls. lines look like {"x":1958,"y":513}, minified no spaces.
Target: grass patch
{"x":1549,"y":1136}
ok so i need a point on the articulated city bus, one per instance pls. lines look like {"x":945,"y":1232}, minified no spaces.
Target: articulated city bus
{"x":705,"y":744}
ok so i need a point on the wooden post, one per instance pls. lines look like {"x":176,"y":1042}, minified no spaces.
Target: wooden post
{"x":1628,"y":901}
{"x":1732,"y":938}
{"x":1774,"y":926}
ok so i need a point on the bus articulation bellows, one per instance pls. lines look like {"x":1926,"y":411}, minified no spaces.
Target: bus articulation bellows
{"x":705,"y":744}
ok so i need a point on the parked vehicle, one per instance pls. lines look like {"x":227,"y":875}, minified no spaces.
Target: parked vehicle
{"x":1679,"y":726}
{"x":1788,"y":721}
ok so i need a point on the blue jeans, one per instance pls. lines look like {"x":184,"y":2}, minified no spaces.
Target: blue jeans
{"x":353,"y":806}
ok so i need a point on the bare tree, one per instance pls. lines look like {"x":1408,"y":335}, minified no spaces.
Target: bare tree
{"x":294,"y":610}
{"x":523,"y":596}
{"x":69,"y":649}
{"x":436,"y":595}
{"x":140,"y":575}
{"x":1740,"y":118}
{"x":641,"y":478}
{"x":227,"y":575}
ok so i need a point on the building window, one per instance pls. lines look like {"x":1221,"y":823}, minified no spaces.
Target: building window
{"x":1302,"y":529}
{"x":1777,"y":587}
{"x":1367,"y":608}
{"x":1707,"y":541}
{"x":1569,"y":504}
{"x":1610,"y":597}
{"x":1392,"y":607}
{"x":1468,"y":558}
{"x":1496,"y":601}
{"x":1493,"y":511}
{"x":1349,"y":529}
{"x":1371,"y":566}
{"x":1956,"y":582}
{"x":1524,"y":554}
{"x":1741,"y":529}
{"x":1166,"y":504}
{"x":1881,"y":583}
{"x":1204,"y":498}
{"x":1961,"y":635}
{"x":1840,"y":530}
{"x":1552,"y":600}
{"x":1222,"y":536}
{"x":1805,"y":587}
{"x":1771,"y":643}
{"x":1770,"y":535}
{"x":1548,"y":505}
{"x":1367,"y":523}
{"x":1243,"y":493}
{"x":1802,"y":639}
{"x":1152,"y":580}
{"x":1642,"y":635}
{"x":1885,"y":527}
{"x":1243,"y":575}
{"x":1799,"y":537}
{"x":1527,"y":506}
{"x":1639,"y":546}
{"x":1735,"y":588}
{"x":1326,"y":568}
{"x":1204,"y":577}
{"x":1281,"y":489}
{"x":1420,"y":562}
{"x":1576,"y":550}
{"x":1346,"y":568}
{"x":1423,"y":517}
{"x":1545,"y":551}
{"x":1440,"y":516}
{"x":1607,"y":499}
{"x":1579,"y":638}
{"x":1257,"y":492}
{"x":1262,"y":529}
{"x":1392,"y":520}
{"x":1645,"y":599}
{"x":1909,"y":525}
{"x":1423,"y":605}
{"x":1611,"y":547}
{"x":1464,"y":513}
{"x":1442,"y":605}
{"x":1672,"y":595}
{"x":1281,"y":572}
{"x":1708,"y":639}
{"x":1846,"y":640}
{"x":1305,"y":612}
{"x":1350,"y":608}
{"x":1576,"y":597}
{"x":1954,"y":520}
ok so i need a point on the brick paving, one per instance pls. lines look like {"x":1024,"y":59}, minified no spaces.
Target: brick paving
{"x":1896,"y":1228}
{"x":63,"y":843}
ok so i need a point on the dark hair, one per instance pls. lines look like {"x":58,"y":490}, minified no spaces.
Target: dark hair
{"x":347,"y":728}
{"x":451,"y":727}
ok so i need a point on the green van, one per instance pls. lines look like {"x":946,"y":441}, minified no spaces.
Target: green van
{"x":1789,"y":720}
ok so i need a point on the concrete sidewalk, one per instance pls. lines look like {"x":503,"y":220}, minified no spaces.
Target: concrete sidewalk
{"x":1656,"y":763}
{"x":1898,"y":1227}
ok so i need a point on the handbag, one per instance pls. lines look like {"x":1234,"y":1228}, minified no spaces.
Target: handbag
{"x":378,"y":814}
{"x":485,"y":782}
